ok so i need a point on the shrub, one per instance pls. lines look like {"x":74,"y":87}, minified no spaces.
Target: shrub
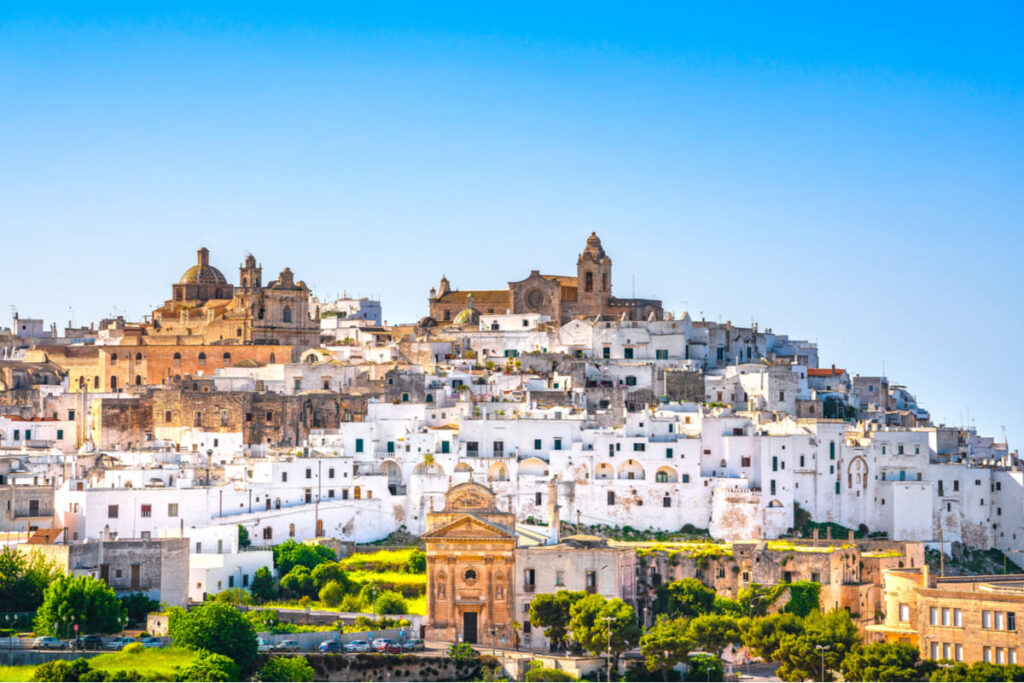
{"x":390,"y":602}
{"x":286,"y":669}
{"x":331,"y":594}
{"x":209,"y":666}
{"x":262,"y":587}
{"x":217,"y":628}
{"x":538,"y":672}
{"x":138,"y":606}
{"x":133,"y":648}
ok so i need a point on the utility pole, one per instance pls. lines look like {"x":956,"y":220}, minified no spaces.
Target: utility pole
{"x":608,"y":632}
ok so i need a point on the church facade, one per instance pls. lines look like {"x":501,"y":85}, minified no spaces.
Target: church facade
{"x":470,"y":566}
{"x":561,"y":297}
{"x":205,"y":308}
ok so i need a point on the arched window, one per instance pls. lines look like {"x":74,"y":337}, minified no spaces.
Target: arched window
{"x":227,"y":356}
{"x":286,"y":315}
{"x":113,"y":358}
{"x":273,"y":358}
{"x":589,"y":282}
{"x":96,"y":382}
{"x":430,"y":398}
{"x":245,"y":282}
{"x":202,"y":358}
{"x":661,"y":477}
{"x":138,"y":380}
{"x":138,"y":356}
{"x":470,"y":575}
{"x":177,"y":355}
{"x":113,"y":383}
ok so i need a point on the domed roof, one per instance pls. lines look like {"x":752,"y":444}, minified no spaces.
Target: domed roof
{"x":467,"y":316}
{"x":203,"y":273}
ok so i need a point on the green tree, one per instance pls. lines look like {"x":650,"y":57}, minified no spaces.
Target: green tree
{"x":234,"y":596}
{"x":755,"y":599}
{"x":390,"y":602}
{"x":324,"y":573}
{"x":551,"y":613}
{"x":665,"y":645}
{"x":462,"y":653}
{"x":24,"y":578}
{"x":804,"y":598}
{"x":728,"y":606}
{"x":209,"y":666}
{"x":64,"y":670}
{"x":262,"y":586}
{"x":138,"y":606}
{"x":713,"y":632}
{"x":705,"y":667}
{"x":298,"y":582}
{"x":218,"y":628}
{"x":331,"y":594}
{"x":600,"y":625}
{"x":684,"y":598}
{"x":882,"y":662}
{"x":417,"y":563}
{"x":309,"y":555}
{"x":286,"y":669}
{"x":798,"y":654}
{"x":243,"y":537}
{"x":81,"y":600}
{"x":764,"y":635}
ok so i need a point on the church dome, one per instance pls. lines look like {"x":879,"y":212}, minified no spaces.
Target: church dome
{"x":467,"y":316}
{"x":203,"y":273}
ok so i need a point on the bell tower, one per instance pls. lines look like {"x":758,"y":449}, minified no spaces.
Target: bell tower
{"x":250,"y":275}
{"x":593,"y":278}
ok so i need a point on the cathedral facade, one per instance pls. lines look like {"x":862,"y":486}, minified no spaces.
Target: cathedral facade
{"x":205,"y":308}
{"x":561,"y":297}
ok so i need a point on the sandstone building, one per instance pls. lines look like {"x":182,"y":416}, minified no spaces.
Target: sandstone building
{"x":560,"y":297}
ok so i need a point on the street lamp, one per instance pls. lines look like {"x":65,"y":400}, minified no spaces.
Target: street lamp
{"x":494,"y":632}
{"x":822,"y":649}
{"x":608,"y":631}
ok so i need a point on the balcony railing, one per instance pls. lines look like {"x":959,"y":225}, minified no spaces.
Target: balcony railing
{"x":529,"y":587}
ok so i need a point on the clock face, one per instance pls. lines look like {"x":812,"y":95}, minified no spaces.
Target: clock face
{"x":534,"y":299}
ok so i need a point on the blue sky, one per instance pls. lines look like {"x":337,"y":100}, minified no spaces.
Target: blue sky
{"x":850,"y":174}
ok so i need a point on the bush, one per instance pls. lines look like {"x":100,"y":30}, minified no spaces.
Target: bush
{"x":298,"y":582}
{"x":331,"y":594}
{"x":417,"y":563}
{"x":286,"y":669}
{"x":138,"y":606}
{"x":217,"y":628}
{"x":290,"y":554}
{"x":133,"y":648}
{"x":61,"y":670}
{"x":704,"y":668}
{"x":262,"y":587}
{"x":209,"y":666}
{"x":463,"y":653}
{"x":390,"y":602}
{"x":538,"y":672}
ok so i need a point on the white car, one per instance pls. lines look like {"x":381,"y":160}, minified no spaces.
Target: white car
{"x":119,"y":642}
{"x":152,"y":641}
{"x":263,"y":645}
{"x":48,"y":643}
{"x":356,"y":646}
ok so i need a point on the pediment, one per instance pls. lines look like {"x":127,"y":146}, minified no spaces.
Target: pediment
{"x":469,"y":527}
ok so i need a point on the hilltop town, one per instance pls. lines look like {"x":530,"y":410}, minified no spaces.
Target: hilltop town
{"x":542,"y":435}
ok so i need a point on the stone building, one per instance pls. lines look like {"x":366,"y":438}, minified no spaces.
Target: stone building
{"x":158,"y":568}
{"x":560,"y":297}
{"x":960,"y":618}
{"x":470,"y":566}
{"x":204,"y":305}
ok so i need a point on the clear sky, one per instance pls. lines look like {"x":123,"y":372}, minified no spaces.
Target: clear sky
{"x":849,"y":173}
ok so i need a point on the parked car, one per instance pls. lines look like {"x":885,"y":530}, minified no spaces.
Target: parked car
{"x":413,"y":644}
{"x":119,"y":642}
{"x":330,"y":646}
{"x":48,"y":643}
{"x":91,"y":642}
{"x":152,"y":641}
{"x":386,"y":645}
{"x":356,"y":646}
{"x":287,"y":646}
{"x":263,"y":645}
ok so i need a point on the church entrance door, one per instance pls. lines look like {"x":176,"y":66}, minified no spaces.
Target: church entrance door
{"x":469,"y":627}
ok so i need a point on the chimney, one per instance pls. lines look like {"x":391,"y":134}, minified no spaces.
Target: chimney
{"x":554,"y":522}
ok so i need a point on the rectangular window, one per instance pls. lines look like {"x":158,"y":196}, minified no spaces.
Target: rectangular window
{"x":661,"y":354}
{"x":268,"y":533}
{"x":904,"y":612}
{"x":959,"y":650}
{"x":558,"y":444}
{"x":284,"y":476}
{"x":606,"y":352}
{"x":359,"y":445}
{"x":1011,"y":656}
{"x":946,"y":650}
{"x":956,"y":484}
{"x":60,"y":434}
{"x":986,"y":619}
{"x":537,"y":498}
{"x":536,"y":444}
{"x":1011,"y":621}
{"x":309,"y":473}
{"x":198,"y":422}
{"x":958,"y":617}
{"x":446,"y":446}
{"x":945,"y":616}
{"x":668,"y":453}
{"x":686,"y":478}
{"x":111,"y":512}
{"x":775,"y":463}
{"x":999,"y":655}
{"x":999,"y":621}
{"x":172,"y":509}
{"x":146,"y":511}
{"x":559,"y":578}
{"x":611,"y":497}
{"x":899,"y":449}
{"x":933,"y":616}
{"x":627,"y":353}
{"x":934,"y":650}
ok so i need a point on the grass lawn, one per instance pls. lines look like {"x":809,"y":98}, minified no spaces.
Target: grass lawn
{"x":160,"y":661}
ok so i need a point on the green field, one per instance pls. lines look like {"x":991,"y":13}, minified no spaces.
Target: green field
{"x":154,"y":661}
{"x":382,"y":560}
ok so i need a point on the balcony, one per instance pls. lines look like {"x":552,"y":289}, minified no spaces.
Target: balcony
{"x":529,"y":587}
